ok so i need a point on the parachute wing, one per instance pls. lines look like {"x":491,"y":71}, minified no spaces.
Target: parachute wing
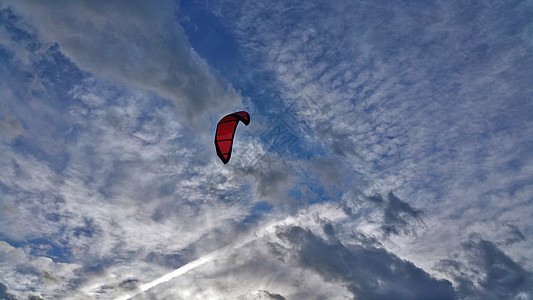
{"x":226,"y":131}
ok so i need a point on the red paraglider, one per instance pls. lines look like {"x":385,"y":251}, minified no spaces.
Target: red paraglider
{"x":226,"y":131}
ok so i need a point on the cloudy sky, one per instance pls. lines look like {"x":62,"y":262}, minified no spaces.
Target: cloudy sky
{"x":389,"y":154}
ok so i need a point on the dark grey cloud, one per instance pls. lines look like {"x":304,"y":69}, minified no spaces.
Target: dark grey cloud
{"x":399,"y":215}
{"x":330,"y":171}
{"x":366,"y":239}
{"x":269,"y":295}
{"x":486,"y":272}
{"x":4,"y":294}
{"x":272,"y":177}
{"x":129,"y":284}
{"x":369,"y":272}
{"x":514,"y":235}
{"x":273,"y":174}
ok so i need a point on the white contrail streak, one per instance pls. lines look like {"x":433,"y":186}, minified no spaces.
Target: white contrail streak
{"x":179,"y":271}
{"x":200,"y":261}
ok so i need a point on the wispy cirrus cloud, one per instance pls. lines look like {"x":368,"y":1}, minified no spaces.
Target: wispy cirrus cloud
{"x":429,"y":101}
{"x":94,"y":172}
{"x":408,"y":128}
{"x":138,"y":43}
{"x":482,"y":270}
{"x":4,"y":293}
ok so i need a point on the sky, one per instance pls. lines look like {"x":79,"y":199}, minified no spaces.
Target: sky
{"x":389,"y":153}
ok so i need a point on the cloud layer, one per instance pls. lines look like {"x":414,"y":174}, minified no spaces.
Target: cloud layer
{"x":387,"y":157}
{"x":138,"y":43}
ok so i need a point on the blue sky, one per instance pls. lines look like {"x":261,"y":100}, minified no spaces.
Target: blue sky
{"x":388,"y":154}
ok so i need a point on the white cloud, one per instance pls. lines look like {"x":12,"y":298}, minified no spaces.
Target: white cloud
{"x":136,"y":42}
{"x":106,"y":178}
{"x":427,"y":100}
{"x":109,"y":175}
{"x":53,"y":277}
{"x":248,"y":266}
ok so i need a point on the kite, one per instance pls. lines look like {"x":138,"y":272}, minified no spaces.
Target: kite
{"x":226,"y":131}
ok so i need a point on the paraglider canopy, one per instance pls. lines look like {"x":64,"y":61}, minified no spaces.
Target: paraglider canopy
{"x":226,"y":131}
